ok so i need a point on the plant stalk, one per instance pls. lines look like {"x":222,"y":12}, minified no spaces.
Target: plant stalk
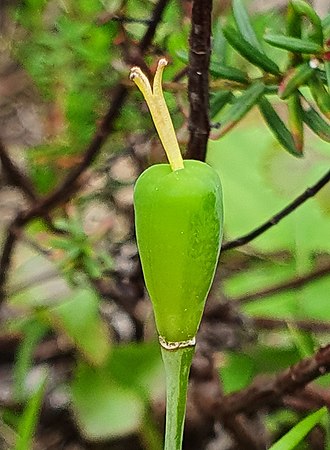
{"x":177,"y":367}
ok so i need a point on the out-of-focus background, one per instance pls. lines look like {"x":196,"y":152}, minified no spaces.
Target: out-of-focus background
{"x":76,"y":326}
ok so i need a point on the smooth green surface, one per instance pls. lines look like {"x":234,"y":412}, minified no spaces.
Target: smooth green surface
{"x":178,"y":218}
{"x":291,"y":439}
{"x":177,"y":367}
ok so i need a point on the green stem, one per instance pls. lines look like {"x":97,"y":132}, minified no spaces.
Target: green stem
{"x":177,"y":366}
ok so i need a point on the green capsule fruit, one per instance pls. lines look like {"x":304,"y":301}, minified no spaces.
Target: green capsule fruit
{"x":179,"y":217}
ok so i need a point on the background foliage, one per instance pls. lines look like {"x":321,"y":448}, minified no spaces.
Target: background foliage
{"x":75,"y":305}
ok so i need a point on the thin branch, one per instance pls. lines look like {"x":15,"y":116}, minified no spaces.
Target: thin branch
{"x":198,"y":78}
{"x":155,"y":20}
{"x":289,"y":285}
{"x":266,"y":392}
{"x":15,"y":175}
{"x":308,"y":193}
{"x":310,"y":398}
{"x":205,"y":385}
{"x":109,"y":17}
{"x":315,"y":326}
{"x":243,"y":432}
{"x":70,"y":184}
{"x":7,"y":251}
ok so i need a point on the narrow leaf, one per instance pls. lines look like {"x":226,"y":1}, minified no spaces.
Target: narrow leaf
{"x":219,"y":43}
{"x":293,"y":28}
{"x":244,"y":25}
{"x":293,"y":44}
{"x":241,"y":106}
{"x":218,"y":100}
{"x":294,"y":79}
{"x":320,"y":95}
{"x":249,"y":52}
{"x":291,"y":439}
{"x":326,"y":26}
{"x":271,"y":89}
{"x":30,"y":417}
{"x":305,"y":9}
{"x":278,"y":127}
{"x":219,"y":70}
{"x":293,"y":22}
{"x":316,"y":123}
{"x":296,"y":124}
{"x":321,"y":75}
{"x":327,"y":71}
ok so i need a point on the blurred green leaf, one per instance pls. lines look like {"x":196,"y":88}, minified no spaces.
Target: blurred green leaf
{"x":326,"y":26}
{"x":293,"y":44}
{"x":80,"y":319}
{"x":258,"y":276}
{"x":138,"y":367}
{"x":304,"y":341}
{"x":131,"y":376}
{"x":272,"y":359}
{"x":249,"y":52}
{"x":237,"y":369}
{"x":29,"y":419}
{"x":42,"y":169}
{"x":33,"y":332}
{"x":236,"y":372}
{"x":81,"y":113}
{"x":252,"y":197}
{"x":287,"y":305}
{"x":129,"y":379}
{"x":30,"y":13}
{"x":91,"y":267}
{"x":244,"y":25}
{"x":241,"y":106}
{"x":103,"y":408}
{"x":278,"y":127}
{"x":291,"y":439}
{"x":219,"y":44}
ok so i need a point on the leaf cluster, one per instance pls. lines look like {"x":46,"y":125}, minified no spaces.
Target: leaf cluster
{"x":302,"y":80}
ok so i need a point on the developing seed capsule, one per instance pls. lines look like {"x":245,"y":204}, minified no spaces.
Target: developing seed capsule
{"x":178,"y":217}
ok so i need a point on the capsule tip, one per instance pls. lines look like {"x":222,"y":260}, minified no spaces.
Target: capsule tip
{"x":134,"y":72}
{"x":162,"y":62}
